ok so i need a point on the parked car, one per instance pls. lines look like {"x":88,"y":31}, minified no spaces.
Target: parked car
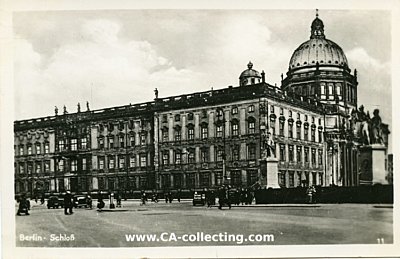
{"x":199,"y":199}
{"x":55,"y":202}
{"x":80,"y":201}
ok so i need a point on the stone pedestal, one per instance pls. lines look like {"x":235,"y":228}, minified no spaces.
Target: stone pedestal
{"x":372,"y":165}
{"x":269,"y":173}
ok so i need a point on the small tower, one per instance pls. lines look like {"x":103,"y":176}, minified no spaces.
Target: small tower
{"x":249,"y":76}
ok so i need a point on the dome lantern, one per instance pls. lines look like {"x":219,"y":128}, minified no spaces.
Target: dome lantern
{"x":317,"y":28}
{"x":249,"y":76}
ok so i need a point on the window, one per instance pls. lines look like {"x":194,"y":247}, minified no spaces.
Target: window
{"x":165,"y":135}
{"x":143,"y":139}
{"x":272,"y":109}
{"x":38,"y":149}
{"x":204,"y":131}
{"x":190,"y":116}
{"x":312,"y":119}
{"x":298,"y":131}
{"x":313,"y":156}
{"x":235,"y":128}
{"x":306,"y":152}
{"x":60,"y":165}
{"x":220,"y":154}
{"x":101,"y":127}
{"x":218,"y":178}
{"x":30,"y":168}
{"x":111,"y":142}
{"x":38,"y":168}
{"x":305,"y":117}
{"x":47,"y":166}
{"x":190,"y":180}
{"x":84,"y":164}
{"x":290,"y":114}
{"x":305,"y":132}
{"x":299,"y":178}
{"x":101,"y":142}
{"x":84,"y":143}
{"x":165,"y":157}
{"x":220,"y":114}
{"x":191,"y":133}
{"x":321,"y":179}
{"x":330,"y":91}
{"x":252,"y":177}
{"x":21,"y":150}
{"x":236,"y":153}
{"x":121,"y":161}
{"x":298,"y":116}
{"x":111,"y":163}
{"x":281,"y":128}
{"x":178,"y":134}
{"x":101,"y":163}
{"x":282,"y":178}
{"x":74,"y":165}
{"x":61,"y":145}
{"x":322,"y":89}
{"x":272,"y":125}
{"x":251,"y":108}
{"x":132,"y":140}
{"x":282,"y":153}
{"x":281,"y":111}
{"x":177,"y":117}
{"x":110,"y":127}
{"x":204,"y":155}
{"x":290,"y":130}
{"x":236,"y":178}
{"x":177,"y":181}
{"x":121,"y":141}
{"x":291,"y":153}
{"x":29,"y":149}
{"x":219,"y":131}
{"x":143,"y":160}
{"x":319,"y":156}
{"x":191,"y":159}
{"x":178,"y":157}
{"x":204,"y":114}
{"x":313,"y":134}
{"x":320,"y":138}
{"x":164,"y":118}
{"x":298,"y":154}
{"x":121,"y":126}
{"x":314,"y":178}
{"x":252,"y":151}
{"x":132,"y":161}
{"x":234,"y":110}
{"x":291,"y":179}
{"x":74,"y":144}
{"x":251,"y":126}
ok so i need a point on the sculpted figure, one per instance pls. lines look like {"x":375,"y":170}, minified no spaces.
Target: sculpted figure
{"x":269,"y":146}
{"x":376,"y":128}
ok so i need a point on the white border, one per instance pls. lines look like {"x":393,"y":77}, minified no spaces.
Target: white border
{"x":7,"y":7}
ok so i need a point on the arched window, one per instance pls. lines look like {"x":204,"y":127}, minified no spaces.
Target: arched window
{"x":204,"y":131}
{"x":235,"y":127}
{"x":251,"y":128}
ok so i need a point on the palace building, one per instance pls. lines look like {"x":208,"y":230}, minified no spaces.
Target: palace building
{"x":207,"y":139}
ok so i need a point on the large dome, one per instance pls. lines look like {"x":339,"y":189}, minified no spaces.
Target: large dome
{"x":318,"y":50}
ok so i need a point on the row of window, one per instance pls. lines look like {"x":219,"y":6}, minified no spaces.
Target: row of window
{"x":121,"y":160}
{"x":122,"y":141}
{"x":303,"y":179}
{"x":290,"y":134}
{"x":37,"y":148}
{"x":296,"y":152}
{"x":204,"y":130}
{"x":204,"y":114}
{"x":34,"y":167}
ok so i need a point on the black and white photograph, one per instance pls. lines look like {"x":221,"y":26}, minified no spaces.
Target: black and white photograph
{"x":196,"y":131}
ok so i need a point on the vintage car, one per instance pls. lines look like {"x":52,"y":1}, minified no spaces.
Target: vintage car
{"x":199,"y":198}
{"x":55,"y":202}
{"x":80,"y":201}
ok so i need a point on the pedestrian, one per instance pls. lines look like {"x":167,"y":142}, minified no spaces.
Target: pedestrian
{"x":143,"y":198}
{"x":119,"y":200}
{"x":68,"y":203}
{"x":89,"y":201}
{"x":42,"y":199}
{"x":310,"y":194}
{"x":170,"y":197}
{"x":24,"y":206}
{"x":178,"y":195}
{"x":100,"y":203}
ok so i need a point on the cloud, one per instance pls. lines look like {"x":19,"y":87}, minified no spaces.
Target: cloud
{"x":101,"y":67}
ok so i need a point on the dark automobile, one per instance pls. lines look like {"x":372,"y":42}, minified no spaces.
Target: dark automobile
{"x":55,"y":202}
{"x":80,"y":201}
{"x":199,"y":199}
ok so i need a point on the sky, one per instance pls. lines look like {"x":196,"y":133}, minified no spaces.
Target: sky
{"x":117,"y":57}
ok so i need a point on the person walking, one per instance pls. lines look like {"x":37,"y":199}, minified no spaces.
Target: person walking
{"x":23,"y":206}
{"x":68,"y":203}
{"x":100,"y":203}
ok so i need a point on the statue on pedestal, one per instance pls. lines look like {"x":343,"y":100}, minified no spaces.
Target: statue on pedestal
{"x":269,"y":146}
{"x":376,"y":128}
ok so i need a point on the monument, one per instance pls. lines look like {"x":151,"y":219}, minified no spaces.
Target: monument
{"x":268,"y":164}
{"x":373,"y":137}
